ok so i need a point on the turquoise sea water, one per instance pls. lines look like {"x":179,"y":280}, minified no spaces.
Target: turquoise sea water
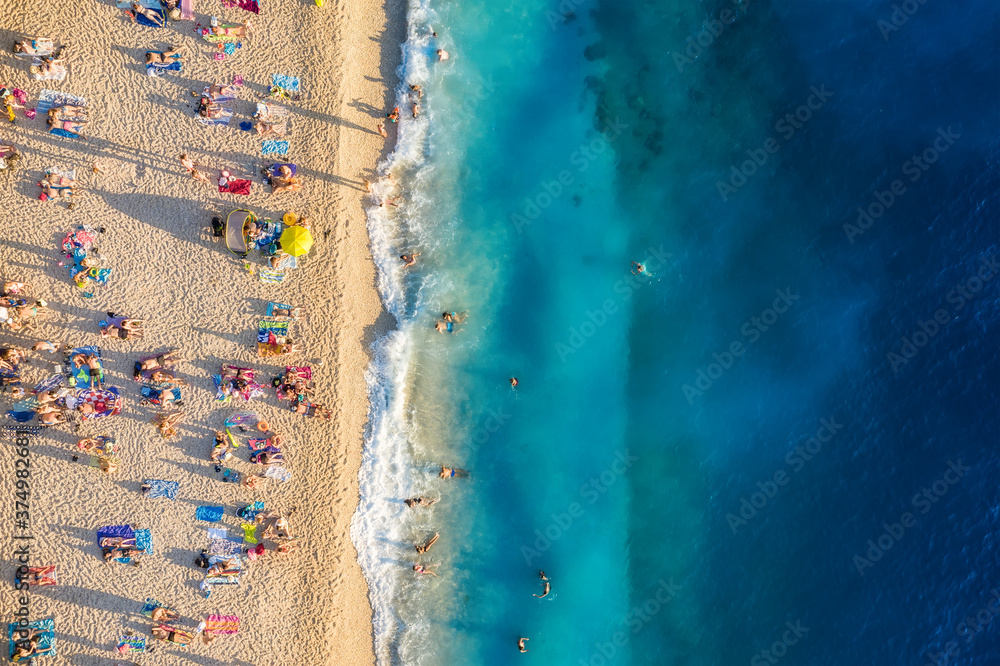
{"x":697,"y":456}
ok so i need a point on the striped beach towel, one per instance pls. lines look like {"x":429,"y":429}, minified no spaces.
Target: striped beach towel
{"x":50,"y":99}
{"x":222,"y":624}
{"x":268,"y":276}
{"x":127,"y":644}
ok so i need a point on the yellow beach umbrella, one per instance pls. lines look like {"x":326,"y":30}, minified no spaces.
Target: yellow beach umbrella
{"x":296,"y":241}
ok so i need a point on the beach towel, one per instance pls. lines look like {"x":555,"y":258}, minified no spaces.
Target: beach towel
{"x":148,"y":4}
{"x":225,"y":547}
{"x":225,"y":625}
{"x":46,"y":646}
{"x":272,"y":307}
{"x":273,"y":147}
{"x":218,"y":533}
{"x":210,"y":514}
{"x":238,"y":186}
{"x":57,"y":70}
{"x":41,"y":576}
{"x":231,"y":33}
{"x":187,"y":10}
{"x":105,"y":445}
{"x":226,"y":94}
{"x":221,"y":121}
{"x":143,"y":543}
{"x":106,"y":402}
{"x":242,"y":419}
{"x":289,"y":83}
{"x":232,"y":567}
{"x":304,"y":371}
{"x":268,"y":276}
{"x":50,"y":99}
{"x":272,"y":332}
{"x":23,"y":411}
{"x":159,"y":68}
{"x":81,"y":376}
{"x":286,"y":262}
{"x":127,"y":644}
{"x":255,"y":445}
{"x":249,"y":532}
{"x":12,"y":433}
{"x":159,"y":488}
{"x":151,"y":605}
{"x":278,"y":473}
{"x":154,"y":394}
{"x":42,"y":46}
{"x":48,"y":384}
{"x":66,"y":134}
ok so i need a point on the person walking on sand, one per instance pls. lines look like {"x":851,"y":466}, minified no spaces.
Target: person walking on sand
{"x":381,"y":130}
{"x":520,"y":644}
{"x":427,"y":546}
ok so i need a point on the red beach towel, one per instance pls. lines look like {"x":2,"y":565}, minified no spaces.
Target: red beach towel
{"x":236,"y":187}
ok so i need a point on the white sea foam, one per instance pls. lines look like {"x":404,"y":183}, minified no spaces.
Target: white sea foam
{"x":382,"y":522}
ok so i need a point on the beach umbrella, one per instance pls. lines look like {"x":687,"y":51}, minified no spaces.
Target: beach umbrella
{"x":296,"y":241}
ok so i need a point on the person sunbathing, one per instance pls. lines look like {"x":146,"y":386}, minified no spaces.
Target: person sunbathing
{"x":33,"y":47}
{"x":67,"y":126}
{"x":56,"y":192}
{"x":221,"y":451}
{"x":26,"y":647}
{"x":116,"y":542}
{"x":164,"y":614}
{"x":285,"y":181}
{"x":312,"y":409}
{"x":151,"y":15}
{"x":230,"y":30}
{"x":50,"y":396}
{"x":165,"y":58}
{"x":52,"y":418}
{"x":121,"y":333}
{"x":165,"y":632}
{"x":165,"y":360}
{"x":217,"y":90}
{"x":93,"y":364}
{"x":167,"y":423}
{"x":209,"y":109}
{"x":267,"y":458}
{"x":89,"y":445}
{"x":265,"y":128}
{"x":227,"y":567}
{"x":161,"y":377}
{"x":67,"y":111}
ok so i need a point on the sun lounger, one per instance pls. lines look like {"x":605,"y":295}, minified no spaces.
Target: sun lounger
{"x":54,"y":71}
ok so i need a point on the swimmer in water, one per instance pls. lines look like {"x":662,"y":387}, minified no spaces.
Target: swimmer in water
{"x":513,"y":382}
{"x":427,"y":546}
{"x":637,"y":268}
{"x":520,"y":644}
{"x":419,"y":501}
{"x":442,"y":55}
{"x":450,"y":472}
{"x":421,"y":570}
{"x":409,"y":259}
{"x":545,"y":591}
{"x":541,"y":574}
{"x":446,"y":327}
{"x":455,"y":317}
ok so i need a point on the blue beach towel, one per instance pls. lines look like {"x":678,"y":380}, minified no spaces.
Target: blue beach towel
{"x":49,"y":384}
{"x":143,"y":542}
{"x":221,"y":121}
{"x":271,"y":147}
{"x":243,"y":419}
{"x":46,"y":637}
{"x":210,"y":514}
{"x":159,"y":488}
{"x":24,"y":411}
{"x":272,"y":306}
{"x":290,"y":83}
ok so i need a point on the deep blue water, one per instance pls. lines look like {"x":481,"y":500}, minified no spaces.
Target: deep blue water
{"x":697,"y":458}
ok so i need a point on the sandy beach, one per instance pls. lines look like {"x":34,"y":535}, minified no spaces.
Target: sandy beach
{"x":307,"y":607}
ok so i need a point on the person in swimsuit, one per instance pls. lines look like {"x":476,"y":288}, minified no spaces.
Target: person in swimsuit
{"x":164,"y":58}
{"x":513,"y":382}
{"x":545,"y":591}
{"x":520,"y":644}
{"x":409,"y":259}
{"x":541,"y":574}
{"x":419,"y":501}
{"x":154,"y":17}
{"x":165,"y":360}
{"x":450,"y":472}
{"x":67,"y":126}
{"x":67,"y":111}
{"x":427,"y":546}
{"x":393,"y":116}
{"x":421,"y":570}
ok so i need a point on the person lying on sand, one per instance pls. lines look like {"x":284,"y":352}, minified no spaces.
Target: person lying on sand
{"x":163,"y":614}
{"x":67,"y":111}
{"x":148,"y":13}
{"x":285,"y":181}
{"x":67,"y":126}
{"x":165,"y":360}
{"x":161,"y":377}
{"x":52,"y":418}
{"x":312,"y":409}
{"x":164,"y":58}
